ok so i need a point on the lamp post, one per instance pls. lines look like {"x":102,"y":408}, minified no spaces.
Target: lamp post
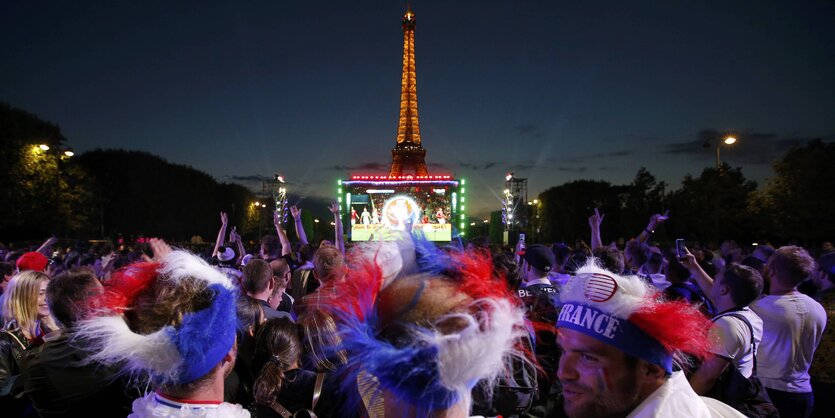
{"x":727,"y":141}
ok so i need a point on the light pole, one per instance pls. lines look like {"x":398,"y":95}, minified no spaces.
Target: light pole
{"x":727,"y":141}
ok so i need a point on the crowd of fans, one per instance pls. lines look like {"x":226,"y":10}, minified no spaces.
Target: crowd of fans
{"x":407,"y":328}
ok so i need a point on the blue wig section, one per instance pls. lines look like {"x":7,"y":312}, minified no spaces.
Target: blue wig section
{"x":204,"y":337}
{"x":430,"y":258}
{"x":410,"y":372}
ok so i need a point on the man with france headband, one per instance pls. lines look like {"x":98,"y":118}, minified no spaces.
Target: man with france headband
{"x":621,"y":345}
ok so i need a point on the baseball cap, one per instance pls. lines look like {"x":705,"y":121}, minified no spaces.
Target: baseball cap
{"x":32,"y":261}
{"x":540,"y":257}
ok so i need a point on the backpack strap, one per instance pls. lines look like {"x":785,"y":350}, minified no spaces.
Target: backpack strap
{"x":317,"y":390}
{"x":280,"y":410}
{"x":750,"y":328}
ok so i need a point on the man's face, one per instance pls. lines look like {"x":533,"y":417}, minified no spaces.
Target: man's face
{"x":597,"y":379}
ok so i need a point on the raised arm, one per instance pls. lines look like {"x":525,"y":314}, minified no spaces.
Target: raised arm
{"x":337,"y":222}
{"x":594,"y":223}
{"x":297,"y":216}
{"x":224,"y":221}
{"x":47,"y":245}
{"x":234,"y":237}
{"x":282,"y":236}
{"x":703,"y":279}
{"x":654,"y":221}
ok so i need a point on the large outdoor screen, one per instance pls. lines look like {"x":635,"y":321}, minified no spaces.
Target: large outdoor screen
{"x":379,"y":209}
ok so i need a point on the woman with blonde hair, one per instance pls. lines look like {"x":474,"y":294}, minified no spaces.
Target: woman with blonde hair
{"x":26,"y":319}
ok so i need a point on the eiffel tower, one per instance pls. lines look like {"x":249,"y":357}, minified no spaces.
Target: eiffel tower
{"x":408,"y":155}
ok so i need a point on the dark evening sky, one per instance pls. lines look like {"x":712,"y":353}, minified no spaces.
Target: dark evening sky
{"x":554,"y":90}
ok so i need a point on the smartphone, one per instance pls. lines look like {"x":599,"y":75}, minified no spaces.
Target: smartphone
{"x":680,"y":248}
{"x":521,"y":243}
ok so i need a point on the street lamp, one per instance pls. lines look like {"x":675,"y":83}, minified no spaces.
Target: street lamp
{"x":727,"y":141}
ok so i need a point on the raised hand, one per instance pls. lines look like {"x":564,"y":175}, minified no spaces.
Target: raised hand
{"x":233,"y":235}
{"x":295,"y":211}
{"x":334,"y":207}
{"x":160,"y":248}
{"x":658,"y":218}
{"x":596,"y":219}
{"x":224,"y":220}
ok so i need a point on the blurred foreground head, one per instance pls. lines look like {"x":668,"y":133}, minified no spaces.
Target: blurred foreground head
{"x":172,"y":321}
{"x":426,"y":323}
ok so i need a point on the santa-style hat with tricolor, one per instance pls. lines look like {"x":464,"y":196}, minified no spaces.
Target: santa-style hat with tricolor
{"x":625,"y":312}
{"x":197,"y":332}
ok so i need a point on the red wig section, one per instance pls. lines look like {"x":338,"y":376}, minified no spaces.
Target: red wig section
{"x":125,"y":284}
{"x":677,"y":325}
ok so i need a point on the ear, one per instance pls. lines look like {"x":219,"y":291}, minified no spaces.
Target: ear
{"x":271,"y":285}
{"x":651,"y":373}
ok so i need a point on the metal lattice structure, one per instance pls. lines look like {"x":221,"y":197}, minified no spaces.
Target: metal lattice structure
{"x":278,"y":190}
{"x":514,"y":210}
{"x":408,"y":155}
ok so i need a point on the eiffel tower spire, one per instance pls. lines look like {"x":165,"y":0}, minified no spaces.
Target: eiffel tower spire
{"x":408,"y":154}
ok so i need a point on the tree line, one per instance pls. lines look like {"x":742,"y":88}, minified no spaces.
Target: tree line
{"x":106,"y":193}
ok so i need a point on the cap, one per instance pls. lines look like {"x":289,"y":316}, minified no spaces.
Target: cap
{"x":225,"y":254}
{"x":540,"y":257}
{"x":32,"y":261}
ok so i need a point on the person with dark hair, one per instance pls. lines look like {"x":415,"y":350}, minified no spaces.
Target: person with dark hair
{"x":237,"y":386}
{"x":281,"y":385}
{"x":559,"y":274}
{"x":55,"y":376}
{"x":259,"y":282}
{"x":609,"y":258}
{"x":279,"y":299}
{"x":542,"y":305}
{"x":793,"y":324}
{"x":822,"y":371}
{"x":636,"y":254}
{"x":505,"y":268}
{"x":619,"y":345}
{"x":735,"y":334}
{"x":681,"y":274}
{"x":6,"y":271}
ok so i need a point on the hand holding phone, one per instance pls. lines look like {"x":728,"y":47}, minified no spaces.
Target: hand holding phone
{"x":681,"y":250}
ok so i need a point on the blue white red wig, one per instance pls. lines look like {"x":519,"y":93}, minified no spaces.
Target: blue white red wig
{"x":626,"y":312}
{"x":426,"y":362}
{"x":174,"y":354}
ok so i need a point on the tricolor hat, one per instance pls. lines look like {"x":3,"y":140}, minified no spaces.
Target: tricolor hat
{"x":170,"y":354}
{"x":394,"y":314}
{"x":623,"y":311}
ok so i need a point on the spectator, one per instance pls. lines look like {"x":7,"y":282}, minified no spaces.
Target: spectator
{"x":259,"y":282}
{"x":55,"y":375}
{"x":328,"y":268}
{"x":822,"y":371}
{"x":281,"y":384}
{"x":279,"y":299}
{"x":430,"y":331}
{"x":793,"y":324}
{"x":7,"y":271}
{"x":237,"y":387}
{"x":26,"y":319}
{"x":178,"y":328}
{"x":735,"y":334}
{"x":618,"y":343}
{"x":559,"y":274}
{"x":609,"y":258}
{"x":542,"y":304}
